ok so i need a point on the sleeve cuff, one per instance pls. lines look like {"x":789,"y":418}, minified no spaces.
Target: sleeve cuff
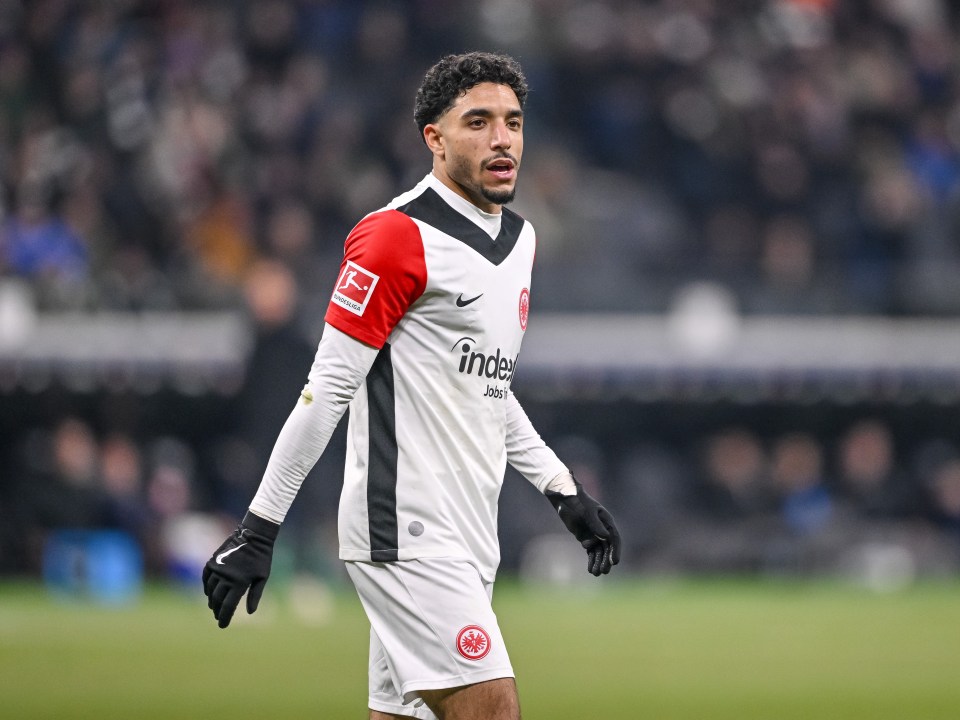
{"x":260,"y":525}
{"x":563,"y":483}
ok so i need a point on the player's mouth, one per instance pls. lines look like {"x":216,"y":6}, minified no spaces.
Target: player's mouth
{"x":502,"y":168}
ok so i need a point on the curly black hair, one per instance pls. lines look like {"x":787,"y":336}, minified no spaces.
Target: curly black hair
{"x":454,"y":75}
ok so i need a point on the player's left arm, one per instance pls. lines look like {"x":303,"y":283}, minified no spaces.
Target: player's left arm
{"x":590,"y":522}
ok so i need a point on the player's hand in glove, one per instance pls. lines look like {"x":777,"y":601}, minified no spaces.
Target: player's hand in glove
{"x":591,"y":524}
{"x":242,"y":562}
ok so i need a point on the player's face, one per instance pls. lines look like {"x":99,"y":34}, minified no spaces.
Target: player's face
{"x":477,"y":145}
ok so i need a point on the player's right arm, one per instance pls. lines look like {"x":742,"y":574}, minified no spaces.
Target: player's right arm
{"x":243,"y":560}
{"x":339,"y":368}
{"x":384,"y":246}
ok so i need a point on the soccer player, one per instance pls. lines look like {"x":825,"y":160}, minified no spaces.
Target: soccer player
{"x":421,"y":341}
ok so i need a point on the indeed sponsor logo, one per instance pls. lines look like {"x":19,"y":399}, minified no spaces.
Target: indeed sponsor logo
{"x":494,"y":366}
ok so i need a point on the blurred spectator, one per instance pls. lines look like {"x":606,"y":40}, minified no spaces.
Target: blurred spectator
{"x":293,"y":238}
{"x":122,"y":479}
{"x":870,"y":482}
{"x":219,"y":238}
{"x":36,"y":244}
{"x":61,"y":490}
{"x":790,"y":283}
{"x":887,"y":543}
{"x":812,"y":533}
{"x":68,"y":495}
{"x":733,"y":506}
{"x":170,"y":478}
{"x":172,"y":497}
{"x":281,"y":357}
{"x":944,"y":488}
{"x":735,"y":477}
{"x":796,"y":466}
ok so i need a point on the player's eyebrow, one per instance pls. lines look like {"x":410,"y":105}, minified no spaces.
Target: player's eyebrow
{"x":486,"y":113}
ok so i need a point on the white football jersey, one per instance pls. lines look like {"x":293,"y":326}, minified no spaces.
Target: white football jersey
{"x":446,"y":302}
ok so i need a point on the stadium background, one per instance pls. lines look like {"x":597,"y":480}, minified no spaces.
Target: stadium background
{"x":744,"y":334}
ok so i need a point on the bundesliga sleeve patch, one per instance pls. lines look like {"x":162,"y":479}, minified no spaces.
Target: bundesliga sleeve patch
{"x":354,"y":288}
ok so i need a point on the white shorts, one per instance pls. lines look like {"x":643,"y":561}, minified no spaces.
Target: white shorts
{"x":431,"y":626}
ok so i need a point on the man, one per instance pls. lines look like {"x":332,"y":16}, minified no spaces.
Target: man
{"x":421,"y":341}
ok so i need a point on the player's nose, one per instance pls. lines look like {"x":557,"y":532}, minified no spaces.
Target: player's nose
{"x":501,"y":136}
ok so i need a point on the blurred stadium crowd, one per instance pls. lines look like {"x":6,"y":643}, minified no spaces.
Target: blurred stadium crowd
{"x":803,"y":154}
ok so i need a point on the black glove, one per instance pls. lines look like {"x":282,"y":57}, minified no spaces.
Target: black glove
{"x":243,"y":561}
{"x":592,"y":525}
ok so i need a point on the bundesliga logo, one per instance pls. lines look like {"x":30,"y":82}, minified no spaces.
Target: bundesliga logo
{"x":354,"y":288}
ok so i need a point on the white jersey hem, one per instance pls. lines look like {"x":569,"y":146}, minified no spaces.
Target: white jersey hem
{"x":361,"y":555}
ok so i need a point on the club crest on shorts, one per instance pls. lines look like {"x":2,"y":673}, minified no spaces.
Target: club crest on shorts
{"x":354,"y":288}
{"x":473,"y":642}
{"x":524,"y":308}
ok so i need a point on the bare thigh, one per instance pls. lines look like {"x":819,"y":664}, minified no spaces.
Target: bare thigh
{"x":490,"y":700}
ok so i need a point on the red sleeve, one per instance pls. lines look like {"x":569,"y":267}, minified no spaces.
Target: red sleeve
{"x":382,"y":274}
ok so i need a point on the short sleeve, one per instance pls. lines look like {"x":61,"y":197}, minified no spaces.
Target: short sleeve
{"x":382,"y":274}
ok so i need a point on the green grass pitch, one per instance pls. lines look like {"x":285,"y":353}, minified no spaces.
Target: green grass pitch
{"x":629,"y":650}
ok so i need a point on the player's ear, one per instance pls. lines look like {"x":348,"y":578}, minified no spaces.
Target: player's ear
{"x":434,"y":139}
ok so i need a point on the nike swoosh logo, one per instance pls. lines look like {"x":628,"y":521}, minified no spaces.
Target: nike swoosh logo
{"x":463,"y":303}
{"x":222,"y":555}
